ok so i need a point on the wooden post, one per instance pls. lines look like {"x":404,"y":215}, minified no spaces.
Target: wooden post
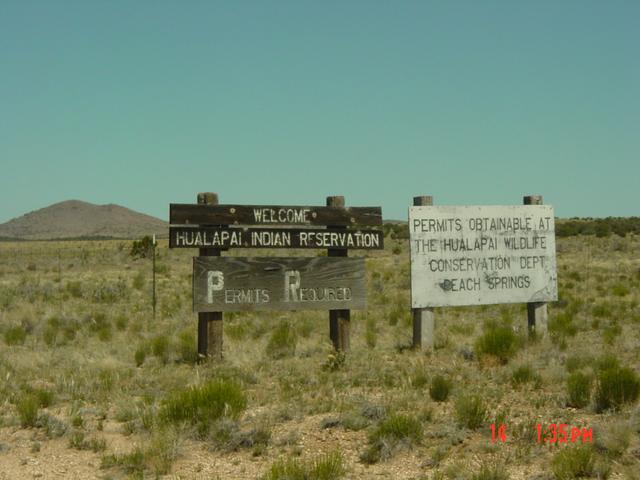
{"x":153,"y":295}
{"x":423,"y":318}
{"x":537,"y":317}
{"x":339,"y":320}
{"x":210,"y":333}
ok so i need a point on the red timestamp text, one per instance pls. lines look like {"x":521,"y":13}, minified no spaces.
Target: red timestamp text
{"x":560,"y":433}
{"x":551,"y":433}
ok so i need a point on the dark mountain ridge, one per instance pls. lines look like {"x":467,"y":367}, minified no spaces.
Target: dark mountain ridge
{"x":73,"y":219}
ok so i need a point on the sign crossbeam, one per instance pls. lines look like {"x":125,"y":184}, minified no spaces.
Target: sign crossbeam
{"x":190,"y":214}
{"x":234,"y":237}
{"x":271,"y":283}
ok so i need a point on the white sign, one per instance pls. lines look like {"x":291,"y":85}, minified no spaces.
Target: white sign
{"x":477,"y":255}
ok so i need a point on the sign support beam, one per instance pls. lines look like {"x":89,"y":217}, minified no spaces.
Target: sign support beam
{"x":339,"y":320}
{"x":210,"y":331}
{"x":537,"y":318}
{"x":423,"y":318}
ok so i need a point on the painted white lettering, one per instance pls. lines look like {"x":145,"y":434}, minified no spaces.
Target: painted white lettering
{"x":304,"y":239}
{"x":375,"y":241}
{"x":215,"y":282}
{"x":291,"y":285}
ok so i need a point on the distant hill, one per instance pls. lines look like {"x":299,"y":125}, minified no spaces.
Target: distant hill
{"x":76,"y":219}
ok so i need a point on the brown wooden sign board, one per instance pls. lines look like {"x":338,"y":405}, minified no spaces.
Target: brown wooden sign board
{"x":224,"y":238}
{"x":189,"y":214}
{"x":231,"y":284}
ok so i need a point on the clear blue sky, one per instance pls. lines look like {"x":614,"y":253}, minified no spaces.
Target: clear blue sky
{"x":144,"y":103}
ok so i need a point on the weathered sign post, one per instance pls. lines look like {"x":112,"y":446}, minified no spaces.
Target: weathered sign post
{"x":477,"y":255}
{"x":339,"y":319}
{"x":423,"y":318}
{"x":210,"y":323}
{"x":537,"y":318}
{"x":233,"y":284}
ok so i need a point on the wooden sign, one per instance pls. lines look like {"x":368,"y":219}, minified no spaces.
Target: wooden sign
{"x":189,"y":214}
{"x":228,"y":284}
{"x":474,"y":255}
{"x":224,"y":238}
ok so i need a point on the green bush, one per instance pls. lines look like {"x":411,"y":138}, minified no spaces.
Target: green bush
{"x":440,"y":388}
{"x":53,"y":427}
{"x":78,"y":440}
{"x":389,"y":435}
{"x":223,"y":434}
{"x":371,"y":332}
{"x":50,"y":335}
{"x":138,"y":281}
{"x":204,"y":404}
{"x":498,"y":341}
{"x":161,"y":451}
{"x":282,"y":342}
{"x":325,"y":467}
{"x":237,"y":330}
{"x":398,"y":427}
{"x":491,"y":472}
{"x":305,"y":327}
{"x":140,"y":355}
{"x":573,"y":462}
{"x":105,"y":334}
{"x":399,"y":231}
{"x":613,"y":438}
{"x":100,"y":324}
{"x":620,"y":290}
{"x":470,"y":411}
{"x":160,"y":347}
{"x":335,"y":361}
{"x":121,"y":322}
{"x":602,"y":310}
{"x":43,"y":397}
{"x":15,"y":335}
{"x":419,"y":378}
{"x":525,"y":374}
{"x":110,"y":292}
{"x":610,"y":332}
{"x":607,"y":362}
{"x":70,"y":329}
{"x":187,"y":346}
{"x":227,"y":435}
{"x":561,"y":326}
{"x":142,"y":248}
{"x":399,"y":314}
{"x":27,"y":407}
{"x":579,"y":389}
{"x":574,"y":275}
{"x":576,"y":362}
{"x":74,"y":288}
{"x":615,"y":387}
{"x":602,"y":229}
{"x":162,"y":269}
{"x":132,"y":463}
